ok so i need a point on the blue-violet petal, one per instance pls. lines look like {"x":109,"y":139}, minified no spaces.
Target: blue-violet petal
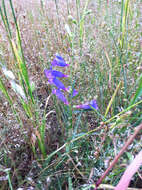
{"x":92,"y":104}
{"x":53,"y":73}
{"x":60,"y":96}
{"x":59,"y":84}
{"x":59,"y":61}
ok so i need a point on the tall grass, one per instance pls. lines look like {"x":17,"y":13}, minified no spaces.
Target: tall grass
{"x":28,"y":103}
{"x":67,"y":148}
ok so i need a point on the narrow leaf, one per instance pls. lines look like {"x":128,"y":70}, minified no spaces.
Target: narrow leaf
{"x":138,"y":91}
{"x":112,"y":99}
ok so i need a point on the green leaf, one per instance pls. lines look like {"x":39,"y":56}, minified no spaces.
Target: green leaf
{"x":138,"y":91}
{"x":4,"y":91}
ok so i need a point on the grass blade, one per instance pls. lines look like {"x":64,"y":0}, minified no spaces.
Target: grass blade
{"x":112,"y":98}
{"x":138,"y":91}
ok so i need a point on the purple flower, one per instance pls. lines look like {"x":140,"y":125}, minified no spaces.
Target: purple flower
{"x":57,"y":83}
{"x":53,"y":76}
{"x":53,"y":73}
{"x":92,"y":104}
{"x":74,"y":92}
{"x":59,"y":61}
{"x":58,"y":74}
{"x":60,"y":96}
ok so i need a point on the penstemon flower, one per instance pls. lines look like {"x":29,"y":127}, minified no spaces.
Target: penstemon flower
{"x":53,"y":76}
{"x":53,"y":73}
{"x":88,"y":106}
{"x":58,"y":84}
{"x":60,"y":96}
{"x":59,"y":61}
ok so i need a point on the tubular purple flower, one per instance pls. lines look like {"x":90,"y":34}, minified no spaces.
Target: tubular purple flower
{"x":88,"y":106}
{"x":60,"y":96}
{"x":50,"y":74}
{"x":58,"y":74}
{"x":58,"y":84}
{"x":59,"y":57}
{"x":53,"y":73}
{"x":74,"y":93}
{"x":59,"y":61}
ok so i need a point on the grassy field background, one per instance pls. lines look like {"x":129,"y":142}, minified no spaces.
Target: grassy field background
{"x":44,"y":143}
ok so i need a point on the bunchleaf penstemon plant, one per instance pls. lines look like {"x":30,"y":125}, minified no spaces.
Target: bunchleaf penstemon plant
{"x":60,"y":89}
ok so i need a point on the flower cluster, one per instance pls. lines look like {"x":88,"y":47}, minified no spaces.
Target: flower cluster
{"x":60,"y":89}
